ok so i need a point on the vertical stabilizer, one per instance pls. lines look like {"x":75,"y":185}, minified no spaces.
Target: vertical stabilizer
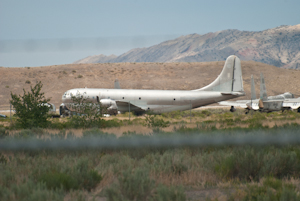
{"x":230,"y":79}
{"x":117,"y":84}
{"x":253,"y":94}
{"x":263,"y":90}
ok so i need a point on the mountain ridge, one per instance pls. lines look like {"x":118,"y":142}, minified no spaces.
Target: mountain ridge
{"x":278,"y":46}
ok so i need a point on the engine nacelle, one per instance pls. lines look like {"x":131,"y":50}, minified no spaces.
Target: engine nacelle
{"x":110,"y":104}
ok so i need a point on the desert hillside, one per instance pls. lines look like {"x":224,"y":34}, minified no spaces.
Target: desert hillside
{"x":278,"y":47}
{"x":181,"y":76}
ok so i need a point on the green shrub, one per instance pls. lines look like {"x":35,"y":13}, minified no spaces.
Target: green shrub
{"x":229,"y":122}
{"x":173,"y":115}
{"x":90,"y":121}
{"x":178,"y":168}
{"x":206,"y":112}
{"x":24,"y":134}
{"x":3,"y":160}
{"x":164,"y":193}
{"x":252,"y":163}
{"x":136,"y":185}
{"x":56,"y":180}
{"x":31,"y":108}
{"x":110,"y":123}
{"x":3,"y":133}
{"x":155,"y":122}
{"x":132,"y":185}
{"x":7,"y":176}
{"x":116,"y":163}
{"x":87,"y":178}
{"x":88,"y":114}
{"x":226,"y":115}
{"x":57,"y":124}
{"x":113,"y":194}
{"x":29,"y":190}
{"x":272,"y":189}
{"x":79,"y":177}
{"x":96,"y":132}
{"x":172,"y":162}
{"x":90,"y":179}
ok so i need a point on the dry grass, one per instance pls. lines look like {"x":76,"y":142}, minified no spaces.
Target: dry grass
{"x":190,"y":168}
{"x":181,"y":76}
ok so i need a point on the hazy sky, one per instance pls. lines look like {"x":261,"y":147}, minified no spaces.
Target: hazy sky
{"x":51,"y":32}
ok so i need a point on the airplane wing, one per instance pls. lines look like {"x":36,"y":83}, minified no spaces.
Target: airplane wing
{"x":234,"y":103}
{"x":123,"y":105}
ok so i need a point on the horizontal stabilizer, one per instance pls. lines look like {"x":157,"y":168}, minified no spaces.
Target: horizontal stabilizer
{"x":241,"y":104}
{"x":234,"y":93}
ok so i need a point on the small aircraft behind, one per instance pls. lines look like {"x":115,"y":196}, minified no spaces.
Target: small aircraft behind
{"x":265,"y":103}
{"x":228,"y":85}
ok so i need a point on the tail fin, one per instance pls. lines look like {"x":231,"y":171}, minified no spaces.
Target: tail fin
{"x":117,"y":84}
{"x":263,"y":90}
{"x":230,"y":80}
{"x":253,"y":94}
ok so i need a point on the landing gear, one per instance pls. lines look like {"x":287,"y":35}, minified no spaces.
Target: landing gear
{"x":63,"y":110}
{"x":113,"y":112}
{"x":232,"y":109}
{"x":138,"y":113}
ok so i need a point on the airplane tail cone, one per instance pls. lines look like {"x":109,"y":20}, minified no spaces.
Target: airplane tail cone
{"x":230,"y":79}
{"x":260,"y":104}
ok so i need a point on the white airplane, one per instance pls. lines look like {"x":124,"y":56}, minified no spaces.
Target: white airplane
{"x":228,"y":85}
{"x":292,"y":104}
{"x":279,"y":102}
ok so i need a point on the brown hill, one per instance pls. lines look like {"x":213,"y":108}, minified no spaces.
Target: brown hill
{"x":182,"y":76}
{"x":278,"y":47}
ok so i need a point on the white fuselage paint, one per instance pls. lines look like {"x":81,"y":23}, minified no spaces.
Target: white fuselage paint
{"x":157,"y":101}
{"x":228,"y":85}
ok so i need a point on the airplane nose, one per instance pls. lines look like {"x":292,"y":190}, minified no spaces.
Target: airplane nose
{"x":65,"y":98}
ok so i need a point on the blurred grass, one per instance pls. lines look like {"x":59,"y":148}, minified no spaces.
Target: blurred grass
{"x":257,"y":172}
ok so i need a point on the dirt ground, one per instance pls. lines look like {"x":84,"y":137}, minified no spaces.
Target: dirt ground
{"x":168,"y":76}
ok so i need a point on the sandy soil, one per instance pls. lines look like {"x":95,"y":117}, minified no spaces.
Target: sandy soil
{"x":180,"y":76}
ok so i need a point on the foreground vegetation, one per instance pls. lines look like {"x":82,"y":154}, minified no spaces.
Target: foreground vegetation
{"x":236,"y":172}
{"x":149,"y":173}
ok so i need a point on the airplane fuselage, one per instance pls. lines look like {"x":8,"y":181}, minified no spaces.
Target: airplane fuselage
{"x":158,"y":101}
{"x":228,"y":85}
